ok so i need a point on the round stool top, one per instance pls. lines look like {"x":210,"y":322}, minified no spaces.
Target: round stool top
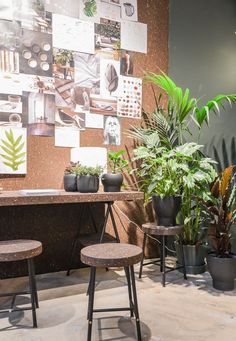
{"x":154,"y":229}
{"x":111,"y":255}
{"x":13,"y":250}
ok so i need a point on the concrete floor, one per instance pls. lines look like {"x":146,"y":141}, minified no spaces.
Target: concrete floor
{"x":182,"y":311}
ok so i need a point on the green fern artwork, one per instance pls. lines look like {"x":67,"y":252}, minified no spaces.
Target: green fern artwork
{"x":12,"y":150}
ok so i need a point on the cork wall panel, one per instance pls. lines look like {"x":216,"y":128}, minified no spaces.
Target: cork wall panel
{"x":46,"y":163}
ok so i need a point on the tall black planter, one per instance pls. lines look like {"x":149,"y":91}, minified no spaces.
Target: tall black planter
{"x":223,"y":271}
{"x":70,"y":182}
{"x":166,"y":209}
{"x":112,"y":182}
{"x":87,"y":183}
{"x":194,"y":257}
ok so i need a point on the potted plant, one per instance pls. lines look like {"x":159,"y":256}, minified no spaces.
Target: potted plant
{"x":70,"y":177}
{"x":88,"y":178}
{"x":221,"y":262}
{"x":112,"y":182}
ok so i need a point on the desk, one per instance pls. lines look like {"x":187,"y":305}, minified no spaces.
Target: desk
{"x":54,"y":220}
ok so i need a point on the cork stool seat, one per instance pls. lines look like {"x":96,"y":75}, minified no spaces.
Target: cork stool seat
{"x":19,"y":250}
{"x":152,"y":229}
{"x":112,"y":255}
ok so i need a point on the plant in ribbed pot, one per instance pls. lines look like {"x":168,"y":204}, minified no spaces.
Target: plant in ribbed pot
{"x":113,"y":181}
{"x":70,"y":177}
{"x":88,"y":178}
{"x":221,"y":262}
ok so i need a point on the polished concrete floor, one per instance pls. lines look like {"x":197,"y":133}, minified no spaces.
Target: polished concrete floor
{"x":182,"y":311}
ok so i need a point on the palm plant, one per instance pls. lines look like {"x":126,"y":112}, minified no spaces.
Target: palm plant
{"x":167,"y":125}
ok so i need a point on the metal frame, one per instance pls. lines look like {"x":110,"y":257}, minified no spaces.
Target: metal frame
{"x":32,"y":292}
{"x":133,"y":301}
{"x":108,"y":212}
{"x":161,"y":261}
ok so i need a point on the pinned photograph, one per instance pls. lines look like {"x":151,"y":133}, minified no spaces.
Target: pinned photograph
{"x":110,"y":73}
{"x":89,"y":10}
{"x":11,"y":111}
{"x":40,"y":109}
{"x":108,"y":11}
{"x":80,"y":97}
{"x":129,"y":10}
{"x":33,"y":83}
{"x":127,"y":63}
{"x":87,"y":71}
{"x":65,"y":7}
{"x":103,"y":105}
{"x":36,"y":53}
{"x":63,"y":64}
{"x":63,"y":89}
{"x":134,"y":36}
{"x":112,"y":130}
{"x":64,"y":117}
{"x":13,"y":150}
{"x":107,"y":37}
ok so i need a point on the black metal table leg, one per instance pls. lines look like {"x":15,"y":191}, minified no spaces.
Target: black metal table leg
{"x":163,"y":262}
{"x":91,"y":301}
{"x":127,"y":272}
{"x":105,"y":224}
{"x":139,"y":337}
{"x":32,"y":293}
{"x":113,"y":222}
{"x":143,"y":255}
{"x":34,"y":284}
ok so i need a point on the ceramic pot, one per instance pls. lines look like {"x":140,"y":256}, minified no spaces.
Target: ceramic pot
{"x":70,"y":182}
{"x":112,"y":182}
{"x":87,"y":183}
{"x":194,"y":257}
{"x":222,"y":271}
{"x":166,"y":209}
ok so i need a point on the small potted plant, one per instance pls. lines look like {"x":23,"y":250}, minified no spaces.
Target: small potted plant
{"x":113,"y":181}
{"x":222,"y":262}
{"x":70,"y":177}
{"x":88,"y":178}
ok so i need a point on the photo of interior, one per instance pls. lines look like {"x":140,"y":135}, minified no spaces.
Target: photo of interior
{"x":117,"y":170}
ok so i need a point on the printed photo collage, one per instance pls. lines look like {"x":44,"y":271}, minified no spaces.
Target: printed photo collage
{"x":65,"y":67}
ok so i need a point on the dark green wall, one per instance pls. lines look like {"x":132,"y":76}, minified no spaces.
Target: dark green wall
{"x":202,"y":56}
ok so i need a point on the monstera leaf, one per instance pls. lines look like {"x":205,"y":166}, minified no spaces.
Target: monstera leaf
{"x":12,"y":154}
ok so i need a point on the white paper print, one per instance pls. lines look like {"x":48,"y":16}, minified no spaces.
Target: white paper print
{"x":130,"y":103}
{"x":6,"y":10}
{"x":112,"y":130}
{"x":87,"y":71}
{"x":67,"y":137}
{"x":110,"y":74}
{"x":73,"y":34}
{"x":94,"y":121}
{"x":103,"y":105}
{"x":108,"y":11}
{"x":10,"y":84}
{"x":34,"y":83}
{"x":129,"y":10}
{"x":113,"y":2}
{"x":64,"y":117}
{"x":89,"y":10}
{"x":90,"y":156}
{"x":65,"y":7}
{"x":13,"y":150}
{"x":134,"y":36}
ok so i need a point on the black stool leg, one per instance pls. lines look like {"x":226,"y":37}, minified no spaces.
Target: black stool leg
{"x":129,"y":291}
{"x":143,"y":256}
{"x":91,"y":301}
{"x":139,"y":337}
{"x":32,"y":292}
{"x":183,"y":258}
{"x":35,"y":285}
{"x":163,"y":261}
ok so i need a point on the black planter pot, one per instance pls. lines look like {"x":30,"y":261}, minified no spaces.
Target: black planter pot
{"x":223,"y":271}
{"x":87,"y":183}
{"x":112,"y":182}
{"x":194,"y":257}
{"x":70,"y":182}
{"x":166,"y":209}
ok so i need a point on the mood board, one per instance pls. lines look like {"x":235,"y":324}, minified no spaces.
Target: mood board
{"x":66,"y":66}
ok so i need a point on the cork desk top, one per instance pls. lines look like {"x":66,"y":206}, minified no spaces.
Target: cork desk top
{"x":15,"y":198}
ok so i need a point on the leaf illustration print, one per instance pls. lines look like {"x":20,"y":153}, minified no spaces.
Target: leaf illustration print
{"x":12,"y":148}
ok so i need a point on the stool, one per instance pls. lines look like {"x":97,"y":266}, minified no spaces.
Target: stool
{"x":153,"y":229}
{"x":112,"y":255}
{"x":17,"y":250}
